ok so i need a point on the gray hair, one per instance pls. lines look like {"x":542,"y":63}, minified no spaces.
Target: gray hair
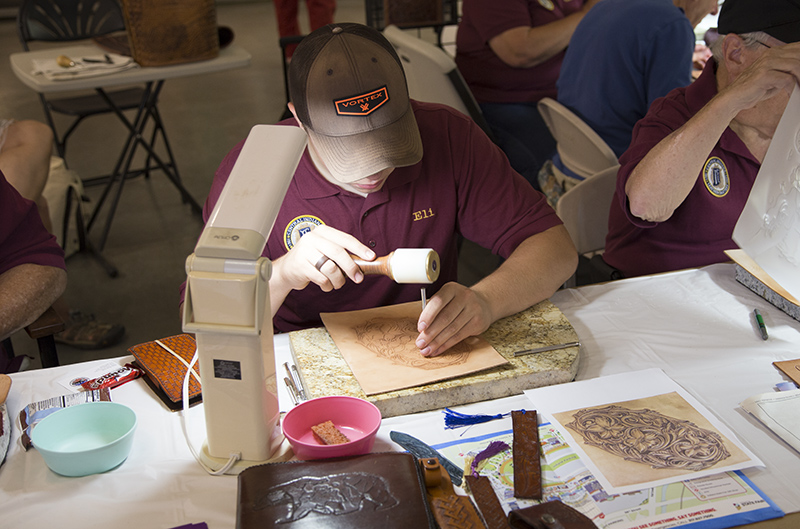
{"x":751,"y":40}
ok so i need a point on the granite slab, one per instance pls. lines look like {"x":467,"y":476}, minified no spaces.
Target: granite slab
{"x":325,"y":372}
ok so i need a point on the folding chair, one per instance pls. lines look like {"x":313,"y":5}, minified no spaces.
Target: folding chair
{"x":581,"y":149}
{"x":433,"y":76}
{"x":584,"y":212}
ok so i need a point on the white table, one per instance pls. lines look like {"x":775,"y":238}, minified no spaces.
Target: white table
{"x":153,"y":77}
{"x":695,"y":325}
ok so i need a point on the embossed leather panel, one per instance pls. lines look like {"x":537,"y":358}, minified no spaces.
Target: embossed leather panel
{"x":526,"y":449}
{"x":383,"y":490}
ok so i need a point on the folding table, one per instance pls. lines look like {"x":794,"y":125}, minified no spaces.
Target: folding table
{"x":230,"y":57}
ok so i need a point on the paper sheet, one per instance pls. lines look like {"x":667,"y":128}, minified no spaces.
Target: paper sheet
{"x":378,"y":345}
{"x":640,"y":429}
{"x":722,"y":500}
{"x":780,"y":412}
{"x":769,"y":226}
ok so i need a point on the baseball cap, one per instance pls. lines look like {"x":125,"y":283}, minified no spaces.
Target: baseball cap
{"x":350,"y":93}
{"x":778,"y":18}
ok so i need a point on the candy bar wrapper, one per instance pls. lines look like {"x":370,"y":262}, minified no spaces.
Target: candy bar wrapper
{"x":113,"y":379}
{"x":36,"y":411}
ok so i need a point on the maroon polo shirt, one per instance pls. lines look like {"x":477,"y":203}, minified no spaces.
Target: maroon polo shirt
{"x":490,"y":79}
{"x":463,"y":184}
{"x":23,"y":238}
{"x":701,"y":228}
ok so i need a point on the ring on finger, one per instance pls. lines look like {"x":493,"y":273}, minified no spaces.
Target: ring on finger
{"x":321,"y":262}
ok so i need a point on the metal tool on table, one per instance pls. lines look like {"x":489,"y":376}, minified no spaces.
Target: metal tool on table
{"x":547,"y":348}
{"x":421,"y":450}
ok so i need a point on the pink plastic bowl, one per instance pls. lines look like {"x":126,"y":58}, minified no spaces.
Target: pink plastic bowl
{"x":356,"y":418}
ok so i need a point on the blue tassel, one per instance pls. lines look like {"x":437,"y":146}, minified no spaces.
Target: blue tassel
{"x":454,"y":419}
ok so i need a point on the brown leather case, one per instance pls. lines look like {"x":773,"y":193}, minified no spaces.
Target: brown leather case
{"x":164,"y":373}
{"x":549,"y":515}
{"x":381,"y":490}
{"x":526,"y":449}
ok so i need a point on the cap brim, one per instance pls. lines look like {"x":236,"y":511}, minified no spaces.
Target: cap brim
{"x":351,"y":158}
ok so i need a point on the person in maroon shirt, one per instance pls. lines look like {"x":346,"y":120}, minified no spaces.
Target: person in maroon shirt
{"x":365,"y":188}
{"x":688,"y":172}
{"x":510,"y":54}
{"x":32,"y":270}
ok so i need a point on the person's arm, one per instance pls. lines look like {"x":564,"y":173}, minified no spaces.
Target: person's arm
{"x":526,"y":46}
{"x":532,"y":273}
{"x":664,"y":177}
{"x":297,"y":268}
{"x":26,"y":291}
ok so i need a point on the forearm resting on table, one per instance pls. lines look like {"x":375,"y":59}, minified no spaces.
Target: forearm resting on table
{"x":664,"y":177}
{"x":26,"y":291}
{"x":532,"y":273}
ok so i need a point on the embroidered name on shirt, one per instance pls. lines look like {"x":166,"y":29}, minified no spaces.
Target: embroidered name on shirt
{"x":422,"y":215}
{"x":364,"y":104}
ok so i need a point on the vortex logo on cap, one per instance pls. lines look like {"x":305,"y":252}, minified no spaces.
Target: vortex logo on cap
{"x":364,"y":104}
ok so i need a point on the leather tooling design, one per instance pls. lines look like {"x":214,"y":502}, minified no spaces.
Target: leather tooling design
{"x":327,"y":496}
{"x":393,"y":339}
{"x":649,"y":437}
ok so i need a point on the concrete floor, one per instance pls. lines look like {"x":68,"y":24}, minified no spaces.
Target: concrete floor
{"x":153,"y":231}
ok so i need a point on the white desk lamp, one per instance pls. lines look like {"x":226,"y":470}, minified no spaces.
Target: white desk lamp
{"x":227,"y":303}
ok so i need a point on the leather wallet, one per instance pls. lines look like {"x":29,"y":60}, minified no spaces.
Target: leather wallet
{"x":164,"y":373}
{"x":381,"y":490}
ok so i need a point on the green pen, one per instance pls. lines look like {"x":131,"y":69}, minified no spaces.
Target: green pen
{"x":761,"y":326}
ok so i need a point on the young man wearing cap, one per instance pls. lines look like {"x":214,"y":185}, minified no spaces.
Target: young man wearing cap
{"x":383,"y":172}
{"x":693,"y":159}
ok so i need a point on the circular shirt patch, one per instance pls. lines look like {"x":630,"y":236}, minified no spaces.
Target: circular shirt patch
{"x":298,"y":227}
{"x":715,"y":176}
{"x":547,"y":4}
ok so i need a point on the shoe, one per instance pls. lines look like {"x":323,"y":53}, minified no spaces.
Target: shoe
{"x":84,"y":332}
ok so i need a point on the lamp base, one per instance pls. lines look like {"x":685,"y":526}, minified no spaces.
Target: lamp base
{"x":283,"y":453}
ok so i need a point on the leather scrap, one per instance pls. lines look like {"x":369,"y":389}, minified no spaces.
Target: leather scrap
{"x":488,"y":504}
{"x":450,"y":510}
{"x":549,"y":515}
{"x":526,"y":450}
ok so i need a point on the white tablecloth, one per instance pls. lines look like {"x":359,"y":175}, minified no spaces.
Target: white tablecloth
{"x":696,"y":325}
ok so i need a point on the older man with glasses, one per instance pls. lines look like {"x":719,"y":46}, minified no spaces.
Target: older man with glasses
{"x":694,"y":157}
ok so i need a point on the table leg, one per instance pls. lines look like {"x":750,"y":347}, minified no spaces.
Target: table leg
{"x":147,"y":109}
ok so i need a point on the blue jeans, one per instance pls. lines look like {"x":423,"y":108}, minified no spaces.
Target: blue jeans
{"x":521,"y":133}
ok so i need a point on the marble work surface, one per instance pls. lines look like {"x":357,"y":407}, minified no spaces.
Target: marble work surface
{"x":325,"y":372}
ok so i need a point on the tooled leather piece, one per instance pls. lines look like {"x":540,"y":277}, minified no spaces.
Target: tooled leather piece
{"x":486,"y":498}
{"x":343,"y":493}
{"x":549,"y":515}
{"x":455,"y":512}
{"x":527,"y":465}
{"x":164,"y":370}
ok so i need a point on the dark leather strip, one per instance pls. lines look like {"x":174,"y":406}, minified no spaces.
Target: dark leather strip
{"x":486,"y":498}
{"x":526,"y":449}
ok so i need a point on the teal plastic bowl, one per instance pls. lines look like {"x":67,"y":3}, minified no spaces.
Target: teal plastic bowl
{"x":85,"y":439}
